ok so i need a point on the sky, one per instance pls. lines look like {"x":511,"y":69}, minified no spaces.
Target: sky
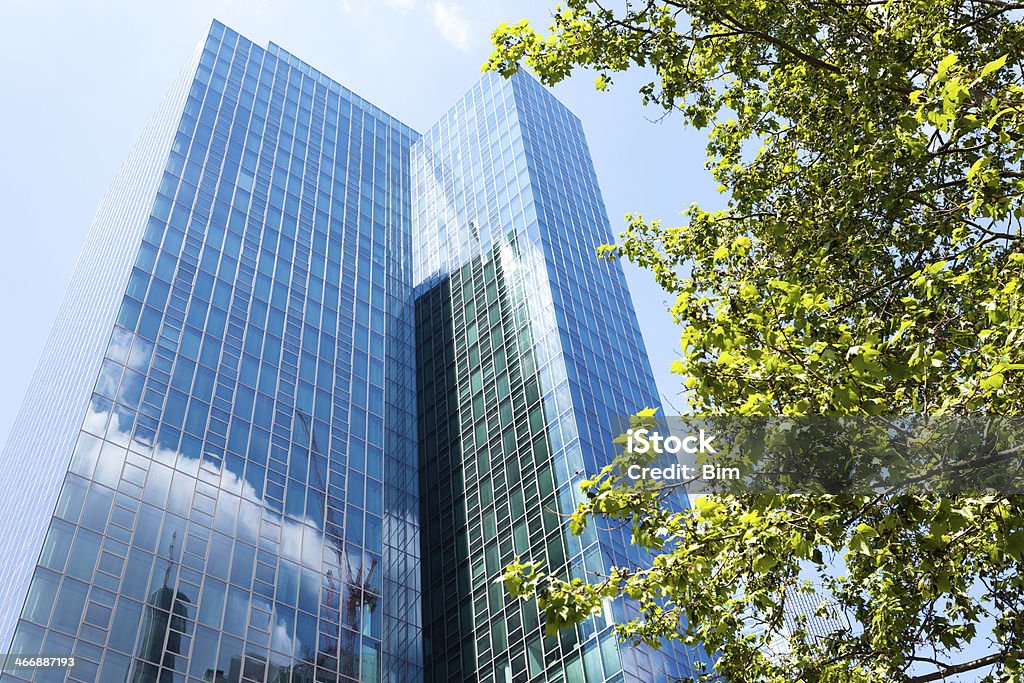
{"x":81,"y":80}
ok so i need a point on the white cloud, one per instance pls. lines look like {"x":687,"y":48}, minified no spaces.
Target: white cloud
{"x":452,"y":23}
{"x":448,"y":15}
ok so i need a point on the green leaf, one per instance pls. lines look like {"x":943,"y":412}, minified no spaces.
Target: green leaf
{"x":866,"y":530}
{"x":944,"y":66}
{"x":992,"y":382}
{"x":993,"y":66}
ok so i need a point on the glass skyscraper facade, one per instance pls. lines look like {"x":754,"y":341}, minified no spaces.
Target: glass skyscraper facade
{"x":316,"y":380}
{"x":528,"y":355}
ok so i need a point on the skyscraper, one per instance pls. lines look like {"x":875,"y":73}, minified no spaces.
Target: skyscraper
{"x":312,"y":365}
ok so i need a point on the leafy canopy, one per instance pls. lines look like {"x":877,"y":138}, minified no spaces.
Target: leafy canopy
{"x":869,"y":261}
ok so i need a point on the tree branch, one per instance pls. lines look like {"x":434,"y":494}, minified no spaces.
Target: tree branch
{"x":782,"y":45}
{"x":954,"y":669}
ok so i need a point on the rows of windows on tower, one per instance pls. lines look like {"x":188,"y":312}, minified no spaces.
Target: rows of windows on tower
{"x":317,"y":379}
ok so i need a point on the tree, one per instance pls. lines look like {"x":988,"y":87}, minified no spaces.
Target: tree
{"x":869,"y":262}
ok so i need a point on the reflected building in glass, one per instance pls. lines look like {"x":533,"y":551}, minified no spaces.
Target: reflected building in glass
{"x":317,"y":378}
